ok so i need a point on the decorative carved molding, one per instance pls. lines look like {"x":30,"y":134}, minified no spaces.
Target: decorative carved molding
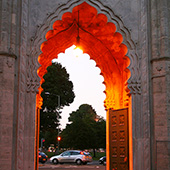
{"x":22,"y":86}
{"x":32,"y":85}
{"x":133,"y":85}
{"x":165,"y":58}
{"x":135,"y":88}
{"x":33,"y":80}
{"x":134,"y":80}
{"x":144,"y":120}
{"x":7,"y":54}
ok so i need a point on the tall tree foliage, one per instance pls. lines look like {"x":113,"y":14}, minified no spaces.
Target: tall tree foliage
{"x":84,"y":132}
{"x":58,"y":92}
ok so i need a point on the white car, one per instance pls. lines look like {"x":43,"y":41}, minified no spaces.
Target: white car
{"x":72,"y":156}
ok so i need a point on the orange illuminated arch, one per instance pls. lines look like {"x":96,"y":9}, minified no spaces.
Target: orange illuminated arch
{"x":99,"y":39}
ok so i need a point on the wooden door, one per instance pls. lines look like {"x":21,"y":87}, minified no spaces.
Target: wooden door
{"x":118,"y":139}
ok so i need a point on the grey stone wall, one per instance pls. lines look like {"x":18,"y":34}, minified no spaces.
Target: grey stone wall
{"x":7,"y":76}
{"x":160,"y":61}
{"x":145,"y":26}
{"x":126,"y":15}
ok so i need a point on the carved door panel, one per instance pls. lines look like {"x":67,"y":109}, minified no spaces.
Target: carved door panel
{"x":119,"y":141}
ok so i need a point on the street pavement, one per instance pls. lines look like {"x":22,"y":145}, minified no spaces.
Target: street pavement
{"x":89,"y":166}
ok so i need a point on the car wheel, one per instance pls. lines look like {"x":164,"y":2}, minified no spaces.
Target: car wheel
{"x":55,"y":161}
{"x":100,"y":162}
{"x":78,"y":161}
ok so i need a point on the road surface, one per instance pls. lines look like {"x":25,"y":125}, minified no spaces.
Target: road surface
{"x":89,"y":166}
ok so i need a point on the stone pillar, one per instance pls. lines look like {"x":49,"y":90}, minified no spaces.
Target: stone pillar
{"x":161,"y":83}
{"x":7,"y":77}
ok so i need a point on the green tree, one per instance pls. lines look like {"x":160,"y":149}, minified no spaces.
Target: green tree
{"x":101,"y":133}
{"x":84,"y":132}
{"x":85,"y":112}
{"x":56,"y":84}
{"x":58,"y":92}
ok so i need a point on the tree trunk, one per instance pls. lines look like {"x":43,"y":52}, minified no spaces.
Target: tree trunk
{"x":94,"y":152}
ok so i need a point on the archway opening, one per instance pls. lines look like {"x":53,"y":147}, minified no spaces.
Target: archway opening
{"x":87,"y":82}
{"x":99,"y":39}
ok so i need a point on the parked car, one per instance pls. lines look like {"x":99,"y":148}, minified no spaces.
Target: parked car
{"x":72,"y":156}
{"x":42,"y":157}
{"x":102,"y":160}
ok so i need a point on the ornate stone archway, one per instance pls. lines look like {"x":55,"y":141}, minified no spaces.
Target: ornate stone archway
{"x":110,"y":57}
{"x":100,"y":40}
{"x":134,"y":81}
{"x":144,"y":26}
{"x":32,"y":79}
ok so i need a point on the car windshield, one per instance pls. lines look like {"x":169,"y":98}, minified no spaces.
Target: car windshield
{"x":86,"y":153}
{"x":65,"y":153}
{"x":41,"y":153}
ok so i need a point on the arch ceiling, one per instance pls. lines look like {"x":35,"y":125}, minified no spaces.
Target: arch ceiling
{"x":99,"y":39}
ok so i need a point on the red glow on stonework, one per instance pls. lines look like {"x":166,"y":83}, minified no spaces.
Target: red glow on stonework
{"x":99,"y":39}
